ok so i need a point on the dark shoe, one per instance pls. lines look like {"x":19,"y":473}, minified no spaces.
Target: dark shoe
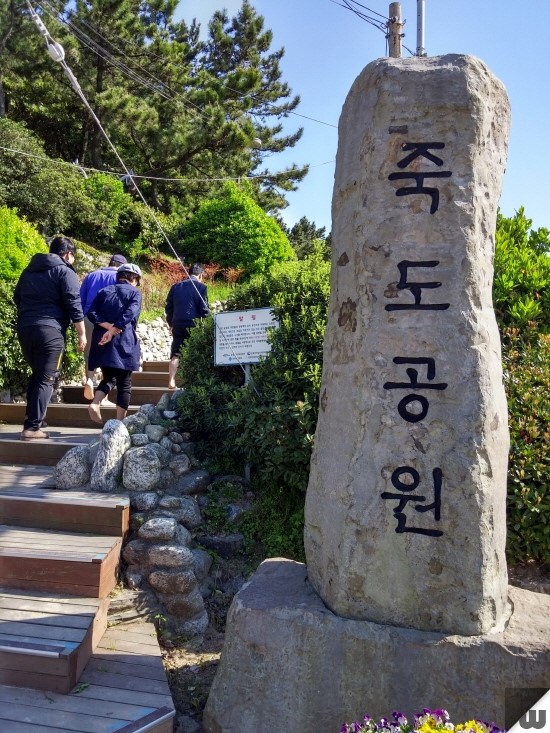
{"x":34,"y":435}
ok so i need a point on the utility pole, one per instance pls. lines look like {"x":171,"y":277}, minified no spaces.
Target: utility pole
{"x":395,"y":27}
{"x":420,"y":27}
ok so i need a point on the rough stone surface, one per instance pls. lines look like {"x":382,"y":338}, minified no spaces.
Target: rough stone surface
{"x":141,"y":469}
{"x":139,"y":439}
{"x":394,"y":428}
{"x":171,"y":556}
{"x":180,"y":465}
{"x":158,"y":528}
{"x":194,"y":626}
{"x":184,"y":605}
{"x":202,"y":562}
{"x":136,"y":423}
{"x":173,"y":582}
{"x":192,"y":482}
{"x":162,"y":454}
{"x":155,"y":433}
{"x":107,"y":469}
{"x":290,"y":664}
{"x":135,"y":552}
{"x":144,"y":501}
{"x":73,"y":469}
{"x":188,"y":512}
{"x":151,"y":412}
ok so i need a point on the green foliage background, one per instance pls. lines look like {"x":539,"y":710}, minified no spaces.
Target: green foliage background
{"x":233,"y":231}
{"x":271,"y":424}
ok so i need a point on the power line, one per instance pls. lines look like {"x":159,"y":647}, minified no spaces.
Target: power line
{"x":95,"y":47}
{"x":119,"y":174}
{"x":347,"y":4}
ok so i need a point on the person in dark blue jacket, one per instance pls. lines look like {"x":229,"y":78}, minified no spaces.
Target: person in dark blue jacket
{"x":186,"y":301}
{"x":91,"y":285}
{"x":47,"y":297}
{"x":115,"y":346}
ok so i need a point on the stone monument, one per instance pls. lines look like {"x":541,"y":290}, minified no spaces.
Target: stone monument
{"x":404,"y":603}
{"x":406,"y":498}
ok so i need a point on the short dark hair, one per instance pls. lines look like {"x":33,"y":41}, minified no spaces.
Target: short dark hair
{"x":196,"y":269}
{"x":61,"y":245}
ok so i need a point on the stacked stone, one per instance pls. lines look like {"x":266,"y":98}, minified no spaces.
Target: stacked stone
{"x":155,"y":340}
{"x":147,"y":457}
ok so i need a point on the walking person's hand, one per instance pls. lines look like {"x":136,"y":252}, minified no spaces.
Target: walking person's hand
{"x":82,"y":343}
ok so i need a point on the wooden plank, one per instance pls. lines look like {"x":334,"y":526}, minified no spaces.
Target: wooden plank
{"x":13,"y":726}
{"x":68,"y":588}
{"x":124,"y":682}
{"x":155,"y":366}
{"x":148,"y":721}
{"x":75,"y":703}
{"x":124,"y":667}
{"x":42,"y":631}
{"x":66,"y":720}
{"x":97,"y":692}
{"x":73,"y":622}
{"x":75,"y":417}
{"x":43,"y":452}
{"x":48,"y":603}
{"x":39,"y":666}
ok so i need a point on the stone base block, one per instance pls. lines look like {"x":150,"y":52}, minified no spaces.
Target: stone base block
{"x":289,"y":664}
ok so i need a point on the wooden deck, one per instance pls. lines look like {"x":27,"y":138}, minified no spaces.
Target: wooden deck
{"x":123,"y":689}
{"x":28,"y":498}
{"x":140,"y":395}
{"x":59,"y":557}
{"x":74,"y":418}
{"x":46,"y":640}
{"x":61,"y":562}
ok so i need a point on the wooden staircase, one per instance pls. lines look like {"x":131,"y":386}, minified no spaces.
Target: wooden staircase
{"x":61,"y":669}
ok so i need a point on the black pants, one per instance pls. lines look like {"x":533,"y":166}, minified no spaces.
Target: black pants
{"x":179,"y":335}
{"x":42,"y":347}
{"x":120,"y":378}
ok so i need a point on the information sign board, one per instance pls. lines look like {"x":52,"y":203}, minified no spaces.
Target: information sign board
{"x":241,"y":336}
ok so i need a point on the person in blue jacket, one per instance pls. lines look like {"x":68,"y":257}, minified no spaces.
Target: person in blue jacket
{"x":115,"y":346}
{"x":186,"y":301}
{"x":47,"y":297}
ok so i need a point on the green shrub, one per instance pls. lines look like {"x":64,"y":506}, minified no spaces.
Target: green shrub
{"x":13,"y":368}
{"x":270,"y":423}
{"x":234,"y":231}
{"x":19,"y":240}
{"x":527,"y":381}
{"x":521,"y":289}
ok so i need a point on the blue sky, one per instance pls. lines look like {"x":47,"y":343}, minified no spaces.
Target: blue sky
{"x":327,"y":46}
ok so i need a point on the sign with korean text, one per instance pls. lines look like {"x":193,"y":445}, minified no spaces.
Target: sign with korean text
{"x":241,"y":336}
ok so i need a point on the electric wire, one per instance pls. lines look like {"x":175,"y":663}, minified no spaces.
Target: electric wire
{"x":372,"y":21}
{"x":118,"y":174}
{"x":107,"y":56}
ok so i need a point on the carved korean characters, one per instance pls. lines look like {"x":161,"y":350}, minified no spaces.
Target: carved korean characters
{"x":405,"y":509}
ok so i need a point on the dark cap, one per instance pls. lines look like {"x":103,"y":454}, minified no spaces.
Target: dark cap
{"x":118,"y":260}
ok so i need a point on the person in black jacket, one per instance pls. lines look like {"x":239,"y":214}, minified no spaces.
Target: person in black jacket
{"x":47,"y":297}
{"x":186,"y":301}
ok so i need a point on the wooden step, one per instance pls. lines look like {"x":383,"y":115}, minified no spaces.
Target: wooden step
{"x":46,"y":640}
{"x":35,"y":453}
{"x":155,"y":366}
{"x":150,"y":379}
{"x":28,"y":500}
{"x":122,"y":690}
{"x":59,"y":415}
{"x":140,"y":395}
{"x":60,"y":562}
